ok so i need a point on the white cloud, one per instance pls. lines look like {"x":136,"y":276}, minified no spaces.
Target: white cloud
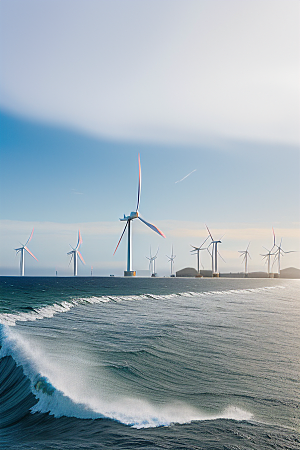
{"x":177,"y":70}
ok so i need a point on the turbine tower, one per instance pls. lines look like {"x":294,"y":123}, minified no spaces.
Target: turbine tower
{"x":171,"y":260}
{"x":76,"y":253}
{"x":152,"y":262}
{"x":214,"y":254}
{"x":22,"y":250}
{"x":246,"y":254}
{"x":128,"y":219}
{"x":197,"y":251}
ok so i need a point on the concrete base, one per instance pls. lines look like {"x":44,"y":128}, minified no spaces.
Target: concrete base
{"x":129,"y":273}
{"x":198,"y":275}
{"x":216,"y":275}
{"x":276,"y":275}
{"x":246,"y":275}
{"x":271,"y":275}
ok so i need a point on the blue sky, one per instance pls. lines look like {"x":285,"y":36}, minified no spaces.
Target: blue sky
{"x":193,"y":86}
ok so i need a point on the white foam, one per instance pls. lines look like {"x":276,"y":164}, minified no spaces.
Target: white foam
{"x":71,"y":394}
{"x":64,"y":306}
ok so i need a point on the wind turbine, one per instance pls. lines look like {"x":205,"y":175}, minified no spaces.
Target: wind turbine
{"x":267,"y":257}
{"x":22,"y":250}
{"x":134,"y":215}
{"x":197,"y":251}
{"x":76,"y":253}
{"x":152,"y":262}
{"x":278,"y":253}
{"x":171,"y":260}
{"x":214,"y":254}
{"x":246,"y":254}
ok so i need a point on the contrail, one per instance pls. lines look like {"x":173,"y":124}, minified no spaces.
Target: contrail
{"x":179,"y":181}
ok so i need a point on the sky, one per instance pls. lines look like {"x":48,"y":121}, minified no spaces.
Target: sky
{"x":206,"y":91}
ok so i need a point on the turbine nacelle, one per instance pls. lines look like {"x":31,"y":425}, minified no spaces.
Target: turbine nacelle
{"x":133,"y":215}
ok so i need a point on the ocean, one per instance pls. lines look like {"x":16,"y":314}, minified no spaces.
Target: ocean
{"x":149,"y":363}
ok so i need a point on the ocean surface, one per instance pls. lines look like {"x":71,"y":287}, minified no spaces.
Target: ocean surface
{"x":149,"y":363}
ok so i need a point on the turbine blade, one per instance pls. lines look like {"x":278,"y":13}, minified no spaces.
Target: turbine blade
{"x":209,"y":233}
{"x":121,"y":237}
{"x":203,"y":242}
{"x":156,"y":253}
{"x":30,"y":253}
{"x":79,"y":241}
{"x":153,"y":227}
{"x":140,"y":185}
{"x":30,"y":237}
{"x":221,"y":257}
{"x":273,"y":236}
{"x":247,"y":247}
{"x":80,"y":256}
{"x":71,"y":257}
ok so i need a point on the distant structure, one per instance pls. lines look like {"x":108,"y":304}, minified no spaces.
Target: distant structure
{"x":267,"y":257}
{"x":246,"y":254}
{"x":187,"y":272}
{"x":214,"y":254}
{"x":91,"y":271}
{"x":152,"y":263}
{"x":76,"y":253}
{"x":197,"y":251}
{"x":128,"y":219}
{"x":171,"y":260}
{"x":277,"y":255}
{"x":22,"y":250}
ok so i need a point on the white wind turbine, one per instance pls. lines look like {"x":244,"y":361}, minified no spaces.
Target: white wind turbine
{"x":267,"y":256}
{"x":22,"y":250}
{"x":152,"y":262}
{"x":128,"y":219}
{"x":171,"y":260}
{"x":76,"y":253}
{"x":197,"y":251}
{"x":214,"y":254}
{"x":246,"y":254}
{"x":278,"y":253}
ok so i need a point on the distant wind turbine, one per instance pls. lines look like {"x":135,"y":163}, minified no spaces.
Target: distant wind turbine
{"x":246,"y":254}
{"x":197,"y":251}
{"x":134,"y":215}
{"x":76,"y":253}
{"x":22,"y":250}
{"x":267,"y":257}
{"x":171,"y":260}
{"x":278,"y":253}
{"x":214,"y":254}
{"x":152,"y":262}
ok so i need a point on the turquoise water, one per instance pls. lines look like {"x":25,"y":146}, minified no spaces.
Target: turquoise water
{"x":149,"y":363}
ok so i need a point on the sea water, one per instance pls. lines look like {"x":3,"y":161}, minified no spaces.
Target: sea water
{"x":116,"y":363}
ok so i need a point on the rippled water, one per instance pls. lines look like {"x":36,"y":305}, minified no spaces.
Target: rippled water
{"x":149,"y":363}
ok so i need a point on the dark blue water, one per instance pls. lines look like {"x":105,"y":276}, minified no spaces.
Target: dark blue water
{"x":113,"y":363}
